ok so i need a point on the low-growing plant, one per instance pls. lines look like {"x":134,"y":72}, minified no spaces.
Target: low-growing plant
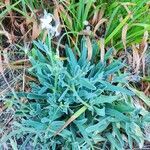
{"x":77,"y":104}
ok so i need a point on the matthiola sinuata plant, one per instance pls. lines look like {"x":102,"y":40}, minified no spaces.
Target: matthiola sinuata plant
{"x":78,"y":103}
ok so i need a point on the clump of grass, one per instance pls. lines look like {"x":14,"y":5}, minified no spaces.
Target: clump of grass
{"x":109,"y":19}
{"x":77,"y":104}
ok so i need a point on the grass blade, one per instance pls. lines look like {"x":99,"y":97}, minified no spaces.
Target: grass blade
{"x":117,"y":29}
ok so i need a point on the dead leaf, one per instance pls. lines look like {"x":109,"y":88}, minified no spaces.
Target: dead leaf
{"x":98,"y":24}
{"x":56,"y":15}
{"x":143,"y":66}
{"x":143,"y":47}
{"x":147,"y":90}
{"x":144,"y":42}
{"x":95,"y":18}
{"x":89,"y":47}
{"x":136,"y":59}
{"x":124,"y":35}
{"x":102,"y":49}
{"x":35,"y":30}
{"x":101,"y":13}
{"x":22,"y":28}
{"x":57,"y":19}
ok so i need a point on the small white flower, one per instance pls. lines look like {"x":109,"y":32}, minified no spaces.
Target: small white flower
{"x":85,"y":22}
{"x":88,"y":28}
{"x":46,"y":23}
{"x":54,"y":30}
{"x":46,"y":20}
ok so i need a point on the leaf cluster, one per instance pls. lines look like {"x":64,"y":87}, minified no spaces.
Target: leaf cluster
{"x":78,"y":103}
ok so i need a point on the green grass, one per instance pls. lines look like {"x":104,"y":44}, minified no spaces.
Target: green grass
{"x":114,"y":11}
